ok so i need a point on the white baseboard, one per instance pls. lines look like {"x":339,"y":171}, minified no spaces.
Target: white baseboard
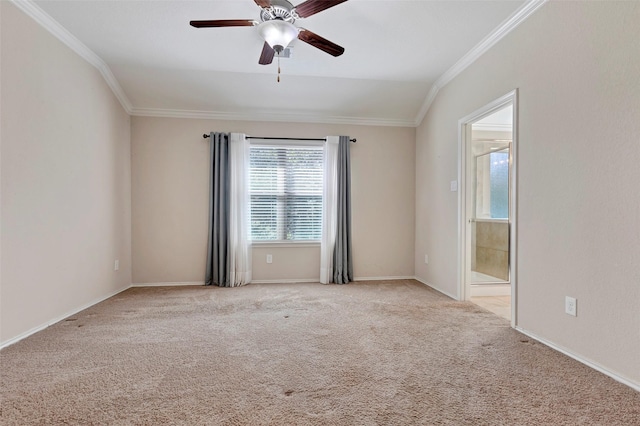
{"x":483,"y":290}
{"x":287,"y":281}
{"x":382,"y":278}
{"x":317,"y":280}
{"x":170,"y":284}
{"x":59,"y":318}
{"x":280,"y":281}
{"x":614,"y":376}
{"x":428,"y":284}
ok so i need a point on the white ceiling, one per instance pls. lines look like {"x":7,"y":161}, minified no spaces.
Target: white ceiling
{"x":394,"y":53}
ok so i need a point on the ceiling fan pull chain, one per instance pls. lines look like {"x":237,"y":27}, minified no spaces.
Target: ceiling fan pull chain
{"x":278,"y":67}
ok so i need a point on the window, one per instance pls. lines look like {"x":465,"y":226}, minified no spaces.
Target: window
{"x":286,"y":193}
{"x":499,"y":184}
{"x":492,"y":185}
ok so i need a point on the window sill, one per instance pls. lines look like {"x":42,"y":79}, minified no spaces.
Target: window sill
{"x":285,"y":244}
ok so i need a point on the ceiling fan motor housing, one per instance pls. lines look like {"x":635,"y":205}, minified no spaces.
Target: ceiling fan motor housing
{"x":280,"y":10}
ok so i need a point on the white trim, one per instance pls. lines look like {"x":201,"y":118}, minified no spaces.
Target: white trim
{"x":168,"y":284}
{"x":428,"y":284}
{"x":462,"y":208}
{"x":485,"y":290}
{"x":633,"y":385}
{"x":519,"y":16}
{"x":281,"y":281}
{"x":57,"y":30}
{"x":317,"y":280}
{"x":383,"y":278}
{"x":59,"y":318}
{"x":269,"y":116}
{"x":513,"y":215}
{"x":287,"y":281}
{"x":48,"y":23}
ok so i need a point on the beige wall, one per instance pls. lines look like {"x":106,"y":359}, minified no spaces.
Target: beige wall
{"x":576,"y":65}
{"x":170,"y":175}
{"x":66,"y":183}
{"x":65,"y":180}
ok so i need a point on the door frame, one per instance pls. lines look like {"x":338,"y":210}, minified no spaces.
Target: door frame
{"x":464,"y":144}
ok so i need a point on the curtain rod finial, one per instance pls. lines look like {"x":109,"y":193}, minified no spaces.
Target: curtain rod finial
{"x":206,"y":136}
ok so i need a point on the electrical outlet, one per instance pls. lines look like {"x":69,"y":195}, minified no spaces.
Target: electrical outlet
{"x":116,"y":265}
{"x":426,"y":259}
{"x":269,"y":258}
{"x":453,"y":185}
{"x":571,"y":306}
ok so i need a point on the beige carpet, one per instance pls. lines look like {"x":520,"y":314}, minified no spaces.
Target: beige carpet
{"x":375,"y":353}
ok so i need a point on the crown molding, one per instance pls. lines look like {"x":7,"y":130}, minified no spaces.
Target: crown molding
{"x":519,"y":16}
{"x":269,"y":116}
{"x":47,"y":22}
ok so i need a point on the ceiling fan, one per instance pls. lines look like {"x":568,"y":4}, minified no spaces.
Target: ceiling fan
{"x":277,"y":29}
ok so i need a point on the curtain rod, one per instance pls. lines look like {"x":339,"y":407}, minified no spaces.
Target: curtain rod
{"x":284,"y":139}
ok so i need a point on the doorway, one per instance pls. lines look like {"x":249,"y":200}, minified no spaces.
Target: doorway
{"x":487,"y":207}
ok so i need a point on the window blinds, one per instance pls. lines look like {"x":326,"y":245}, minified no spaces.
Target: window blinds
{"x":286,"y":193}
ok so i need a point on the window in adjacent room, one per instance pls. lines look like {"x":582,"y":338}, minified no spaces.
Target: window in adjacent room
{"x":286,"y":192}
{"x":492,"y":185}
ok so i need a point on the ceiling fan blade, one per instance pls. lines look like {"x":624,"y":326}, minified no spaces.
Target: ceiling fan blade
{"x":319,"y":42}
{"x":224,"y":23}
{"x":263,"y":3}
{"x":266,"y":57}
{"x":311,"y":7}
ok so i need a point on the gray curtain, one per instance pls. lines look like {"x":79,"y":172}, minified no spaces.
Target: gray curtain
{"x":342,"y":258}
{"x":217,"y":247}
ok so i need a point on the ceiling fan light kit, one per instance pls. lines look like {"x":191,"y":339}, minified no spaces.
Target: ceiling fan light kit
{"x":278,"y":34}
{"x":277,"y":29}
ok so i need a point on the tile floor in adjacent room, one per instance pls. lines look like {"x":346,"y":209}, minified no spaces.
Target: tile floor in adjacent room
{"x":499,"y":305}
